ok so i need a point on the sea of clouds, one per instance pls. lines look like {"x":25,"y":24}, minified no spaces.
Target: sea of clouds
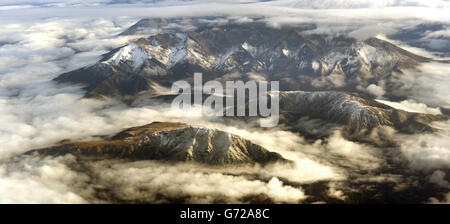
{"x":39,"y":41}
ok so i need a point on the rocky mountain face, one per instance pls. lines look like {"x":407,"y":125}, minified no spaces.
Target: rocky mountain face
{"x":332,"y":65}
{"x":239,"y":51}
{"x":359,"y":114}
{"x":169,"y":142}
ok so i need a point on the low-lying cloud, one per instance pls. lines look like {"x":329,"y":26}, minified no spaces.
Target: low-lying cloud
{"x":36,"y":112}
{"x":54,"y":180}
{"x":428,"y":84}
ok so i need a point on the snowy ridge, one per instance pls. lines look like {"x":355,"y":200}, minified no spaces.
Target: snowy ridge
{"x":334,"y":106}
{"x":371,"y":55}
{"x":302,"y":61}
{"x":206,"y":145}
{"x":129,"y":53}
{"x":173,"y":48}
{"x":169,"y":55}
{"x":196,"y":55}
{"x":199,"y":142}
{"x":172,"y":142}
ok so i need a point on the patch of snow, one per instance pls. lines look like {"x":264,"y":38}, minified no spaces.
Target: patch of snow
{"x":178,"y":52}
{"x":371,"y":55}
{"x":337,"y":104}
{"x":199,"y":141}
{"x":302,"y":65}
{"x":131,"y":52}
{"x":333,"y":57}
{"x":221,"y":60}
{"x":169,"y":56}
{"x":138,"y":57}
{"x":249,"y":48}
{"x":206,"y":61}
{"x":368,"y":54}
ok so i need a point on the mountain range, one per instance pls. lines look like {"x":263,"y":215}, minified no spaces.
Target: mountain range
{"x":240,"y":51}
{"x":332,"y":72}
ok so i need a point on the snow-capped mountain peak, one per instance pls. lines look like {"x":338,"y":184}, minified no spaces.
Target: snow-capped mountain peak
{"x":129,"y":53}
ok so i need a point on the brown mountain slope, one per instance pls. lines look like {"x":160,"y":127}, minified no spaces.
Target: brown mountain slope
{"x":169,"y":142}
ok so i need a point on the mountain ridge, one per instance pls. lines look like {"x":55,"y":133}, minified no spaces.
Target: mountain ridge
{"x":358,"y":113}
{"x":300,"y":61}
{"x":169,"y":141}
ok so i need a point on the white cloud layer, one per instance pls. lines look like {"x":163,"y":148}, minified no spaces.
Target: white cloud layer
{"x":40,"y":41}
{"x":427,"y":85}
